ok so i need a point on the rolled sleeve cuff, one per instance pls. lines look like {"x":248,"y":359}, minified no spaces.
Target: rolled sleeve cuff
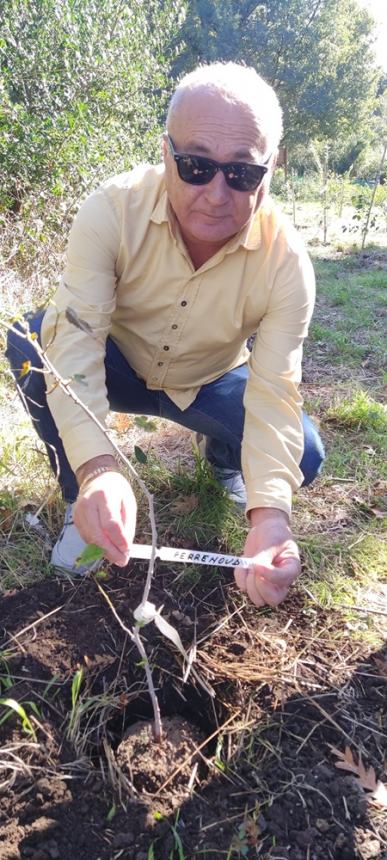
{"x":82,"y":445}
{"x":278,"y":495}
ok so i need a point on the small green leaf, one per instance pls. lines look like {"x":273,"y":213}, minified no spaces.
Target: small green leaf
{"x":76,"y":686}
{"x":91,"y":553}
{"x":19,"y":710}
{"x":158,"y":816}
{"x":140,"y":454}
{"x":112,"y":812}
{"x":33,"y":707}
{"x":145,"y":424}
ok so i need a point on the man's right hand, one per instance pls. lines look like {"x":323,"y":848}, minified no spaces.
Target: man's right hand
{"x":105,"y":514}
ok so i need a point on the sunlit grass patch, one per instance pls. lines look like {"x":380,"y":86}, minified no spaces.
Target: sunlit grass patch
{"x":368,"y":557}
{"x":354,"y":459}
{"x":26,"y":485}
{"x":320,"y":553}
{"x":24,"y":467}
{"x":348,"y":327}
{"x":331,"y":590}
{"x":24,"y":560}
{"x":360,"y":412}
{"x":349,"y":582}
{"x":338,"y":343}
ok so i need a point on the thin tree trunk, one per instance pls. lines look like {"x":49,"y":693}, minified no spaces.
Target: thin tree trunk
{"x":292,"y":191}
{"x":325,"y":193}
{"x":377,"y":182}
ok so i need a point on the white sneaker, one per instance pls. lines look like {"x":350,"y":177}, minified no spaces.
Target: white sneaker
{"x":230,"y":479}
{"x":69,"y":547}
{"x":233,"y":482}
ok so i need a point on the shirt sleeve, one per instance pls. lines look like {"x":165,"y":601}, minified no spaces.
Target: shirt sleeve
{"x":272,"y":444}
{"x":76,"y":348}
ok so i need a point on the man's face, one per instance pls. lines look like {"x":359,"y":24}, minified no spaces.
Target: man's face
{"x":207,"y":125}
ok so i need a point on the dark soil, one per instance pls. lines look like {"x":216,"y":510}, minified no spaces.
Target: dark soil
{"x":287,"y":687}
{"x":149,"y":764}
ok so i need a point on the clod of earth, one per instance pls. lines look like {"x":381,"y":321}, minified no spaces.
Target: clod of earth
{"x":149,"y":764}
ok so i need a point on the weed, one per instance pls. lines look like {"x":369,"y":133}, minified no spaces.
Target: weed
{"x":12,"y":706}
{"x":178,"y":846}
{"x":6,"y":680}
{"x":177,"y":850}
{"x":75,"y":692}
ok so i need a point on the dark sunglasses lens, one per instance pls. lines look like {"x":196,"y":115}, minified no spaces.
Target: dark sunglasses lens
{"x":245,"y":177}
{"x":195,"y":170}
{"x":199,"y":171}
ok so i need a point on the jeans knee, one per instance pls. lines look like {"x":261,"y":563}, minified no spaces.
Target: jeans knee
{"x":23,"y":360}
{"x":16,"y":349}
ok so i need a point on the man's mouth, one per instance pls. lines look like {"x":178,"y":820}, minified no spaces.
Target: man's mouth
{"x":218,"y":217}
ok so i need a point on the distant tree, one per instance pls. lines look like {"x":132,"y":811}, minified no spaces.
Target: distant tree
{"x":316,"y":53}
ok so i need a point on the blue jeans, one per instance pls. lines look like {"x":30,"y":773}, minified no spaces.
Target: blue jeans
{"x":217,"y":410}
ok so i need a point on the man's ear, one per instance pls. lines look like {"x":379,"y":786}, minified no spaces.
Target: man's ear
{"x":164,"y":147}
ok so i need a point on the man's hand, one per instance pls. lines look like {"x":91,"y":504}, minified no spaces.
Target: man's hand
{"x":276,"y":560}
{"x":105,"y":514}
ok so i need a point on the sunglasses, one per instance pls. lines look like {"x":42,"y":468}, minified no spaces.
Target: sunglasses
{"x":197,"y":170}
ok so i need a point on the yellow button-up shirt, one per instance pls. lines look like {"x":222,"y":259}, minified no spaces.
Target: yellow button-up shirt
{"x":129,"y":275}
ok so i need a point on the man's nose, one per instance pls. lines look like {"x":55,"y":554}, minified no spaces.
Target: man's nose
{"x":217,"y":191}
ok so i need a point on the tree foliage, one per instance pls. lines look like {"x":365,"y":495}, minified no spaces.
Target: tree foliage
{"x":316,"y":53}
{"x":83,"y":84}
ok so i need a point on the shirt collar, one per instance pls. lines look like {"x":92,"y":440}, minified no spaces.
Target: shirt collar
{"x":161,"y":210}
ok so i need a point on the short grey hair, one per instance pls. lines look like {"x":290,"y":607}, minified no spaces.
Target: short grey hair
{"x":239,"y":84}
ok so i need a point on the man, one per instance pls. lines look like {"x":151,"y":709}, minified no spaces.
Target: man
{"x":171,"y":269}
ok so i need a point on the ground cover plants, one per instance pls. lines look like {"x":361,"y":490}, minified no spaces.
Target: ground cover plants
{"x":288,"y":755}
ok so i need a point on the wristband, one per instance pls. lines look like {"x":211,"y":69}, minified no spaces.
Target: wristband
{"x":94,"y":474}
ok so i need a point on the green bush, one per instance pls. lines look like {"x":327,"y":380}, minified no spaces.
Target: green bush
{"x":83,"y":89}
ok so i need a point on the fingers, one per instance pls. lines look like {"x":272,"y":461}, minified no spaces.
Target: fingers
{"x":268,"y":583}
{"x":96,"y":526}
{"x":240,"y":576}
{"x":105,"y":514}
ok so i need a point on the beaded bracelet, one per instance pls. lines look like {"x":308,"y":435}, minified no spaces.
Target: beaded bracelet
{"x":94,"y":474}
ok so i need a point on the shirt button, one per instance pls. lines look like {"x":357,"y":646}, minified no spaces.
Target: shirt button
{"x":183,"y":304}
{"x":174,"y":326}
{"x":160,"y":363}
{"x":166,"y":348}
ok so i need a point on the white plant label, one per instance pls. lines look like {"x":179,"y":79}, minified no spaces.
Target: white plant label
{"x":190,"y":556}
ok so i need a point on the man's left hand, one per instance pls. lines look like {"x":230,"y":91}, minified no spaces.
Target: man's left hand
{"x":276,"y":560}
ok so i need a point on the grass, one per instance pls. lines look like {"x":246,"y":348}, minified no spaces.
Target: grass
{"x":361,"y":412}
{"x":26,"y":485}
{"x":192,"y":507}
{"x":351,"y":326}
{"x":343,"y":540}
